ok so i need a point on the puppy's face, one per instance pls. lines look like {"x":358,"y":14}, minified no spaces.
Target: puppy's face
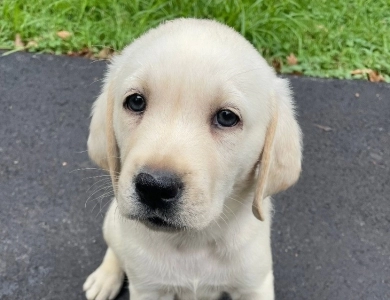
{"x":189,"y":118}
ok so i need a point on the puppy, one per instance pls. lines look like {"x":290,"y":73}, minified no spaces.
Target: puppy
{"x":197,"y":132}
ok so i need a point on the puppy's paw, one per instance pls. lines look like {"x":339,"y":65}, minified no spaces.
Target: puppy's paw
{"x":103,"y":284}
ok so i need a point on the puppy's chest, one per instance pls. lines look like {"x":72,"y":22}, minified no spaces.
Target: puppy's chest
{"x":195,"y":270}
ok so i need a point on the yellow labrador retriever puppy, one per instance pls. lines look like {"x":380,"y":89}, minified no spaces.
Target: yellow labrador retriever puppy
{"x":197,"y":132}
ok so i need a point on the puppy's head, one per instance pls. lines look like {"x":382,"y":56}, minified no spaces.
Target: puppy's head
{"x":190,"y":117}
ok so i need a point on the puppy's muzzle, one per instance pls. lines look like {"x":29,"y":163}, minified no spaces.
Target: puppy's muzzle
{"x":158,"y":189}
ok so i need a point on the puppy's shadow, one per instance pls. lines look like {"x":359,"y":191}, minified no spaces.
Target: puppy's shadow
{"x":225,"y":296}
{"x":124,"y":293}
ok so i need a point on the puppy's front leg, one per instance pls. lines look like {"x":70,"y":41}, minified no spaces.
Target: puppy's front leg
{"x":264,"y":292}
{"x":106,"y":282}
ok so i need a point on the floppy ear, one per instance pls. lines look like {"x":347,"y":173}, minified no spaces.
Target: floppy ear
{"x":102,"y":144}
{"x":280,"y":163}
{"x":97,"y":141}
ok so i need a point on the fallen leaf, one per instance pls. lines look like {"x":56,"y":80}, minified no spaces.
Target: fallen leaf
{"x":360,"y":71}
{"x":105,"y":53}
{"x":374,"y":76}
{"x":297,"y":73}
{"x":18,"y":41}
{"x":324,"y":128}
{"x":277,"y":64}
{"x":63,"y":34}
{"x":292,"y":60}
{"x":89,"y":54}
{"x":85,"y":52}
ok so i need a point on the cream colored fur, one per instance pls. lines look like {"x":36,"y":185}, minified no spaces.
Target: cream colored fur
{"x":189,"y":69}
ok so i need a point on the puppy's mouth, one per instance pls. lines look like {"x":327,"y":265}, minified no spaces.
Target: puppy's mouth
{"x":159,"y":224}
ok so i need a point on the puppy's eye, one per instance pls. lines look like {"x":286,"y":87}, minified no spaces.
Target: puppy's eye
{"x":226,"y":118}
{"x":135,"y":102}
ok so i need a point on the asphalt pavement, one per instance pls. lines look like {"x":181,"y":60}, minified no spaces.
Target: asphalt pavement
{"x":331,"y":232}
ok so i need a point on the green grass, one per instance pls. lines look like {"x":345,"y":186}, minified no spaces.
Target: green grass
{"x":330,"y":38}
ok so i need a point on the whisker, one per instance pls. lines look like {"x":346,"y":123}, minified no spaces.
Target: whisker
{"x":238,"y":201}
{"x":79,"y":152}
{"x":105,"y":175}
{"x":222,"y":213}
{"x":217,"y":224}
{"x":106,"y":181}
{"x":99,"y":189}
{"x":108,"y":194}
{"x":101,"y":197}
{"x":88,"y":169}
{"x":251,"y":204}
{"x":231,"y":211}
{"x":102,"y":207}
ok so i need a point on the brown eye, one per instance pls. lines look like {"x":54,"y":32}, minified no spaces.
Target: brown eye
{"x":226,"y":118}
{"x":135,"y":102}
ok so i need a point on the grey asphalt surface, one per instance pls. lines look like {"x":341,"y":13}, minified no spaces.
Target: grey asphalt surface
{"x":331,"y":232}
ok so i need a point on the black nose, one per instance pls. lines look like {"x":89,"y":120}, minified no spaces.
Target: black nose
{"x":158,"y":189}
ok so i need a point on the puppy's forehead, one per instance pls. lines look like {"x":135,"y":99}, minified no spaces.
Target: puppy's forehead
{"x":194,"y":63}
{"x":186,"y":79}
